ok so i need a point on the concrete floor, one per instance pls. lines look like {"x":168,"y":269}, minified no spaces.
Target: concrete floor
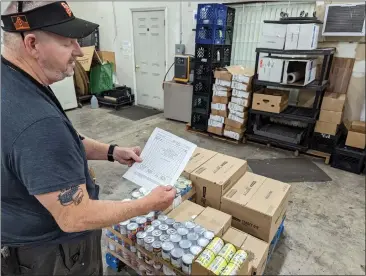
{"x":325,"y":224}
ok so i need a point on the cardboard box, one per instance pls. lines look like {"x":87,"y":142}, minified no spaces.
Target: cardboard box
{"x":269,"y":101}
{"x":216,"y":130}
{"x":234,"y":122}
{"x":221,"y":91}
{"x":334,"y":117}
{"x":356,"y":136}
{"x":222,"y":113}
{"x":222,"y":74}
{"x":217,"y":118}
{"x":214,"y":123}
{"x":333,"y":102}
{"x":240,"y":101}
{"x":215,"y":177}
{"x":241,"y":94}
{"x":241,"y":86}
{"x":87,"y":58}
{"x":235,"y":107}
{"x":222,"y":100}
{"x":270,"y":69}
{"x":108,"y":57}
{"x":299,"y":72}
{"x":187,"y":210}
{"x":198,"y":158}
{"x":325,"y":127}
{"x":241,"y":74}
{"x":224,"y":83}
{"x":273,"y":36}
{"x":214,"y":220}
{"x":239,"y":114}
{"x":235,"y":237}
{"x":234,"y":133}
{"x":302,"y":37}
{"x":258,"y":205}
{"x":219,"y":109}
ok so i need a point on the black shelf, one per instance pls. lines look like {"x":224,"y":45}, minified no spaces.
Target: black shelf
{"x":314,"y":85}
{"x":275,"y":142}
{"x":294,"y":21}
{"x":303,"y":114}
{"x":315,"y":52}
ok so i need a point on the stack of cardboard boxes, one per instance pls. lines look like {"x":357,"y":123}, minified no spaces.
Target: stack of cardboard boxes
{"x":356,"y":136}
{"x":236,"y":121}
{"x":220,"y":99}
{"x":331,"y":113}
{"x":244,"y":208}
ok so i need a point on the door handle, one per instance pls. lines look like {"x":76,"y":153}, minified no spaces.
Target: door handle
{"x":137,"y":66}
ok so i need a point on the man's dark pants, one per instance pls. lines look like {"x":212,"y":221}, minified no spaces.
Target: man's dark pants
{"x":82,"y":257}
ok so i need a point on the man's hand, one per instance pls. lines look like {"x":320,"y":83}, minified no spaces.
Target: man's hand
{"x":127,"y":156}
{"x":160,"y":198}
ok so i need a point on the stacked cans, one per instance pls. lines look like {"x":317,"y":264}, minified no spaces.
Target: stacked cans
{"x":183,"y":185}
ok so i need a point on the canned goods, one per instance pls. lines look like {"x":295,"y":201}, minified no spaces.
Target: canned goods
{"x":190,"y":225}
{"x":166,"y":247}
{"x":178,"y":192}
{"x":215,"y":245}
{"x":163,"y":227}
{"x":208,"y":235}
{"x":140,"y":236}
{"x":157,"y":248}
{"x":175,"y":239}
{"x":193,"y":237}
{"x":133,"y":220}
{"x":203,"y":242}
{"x":230,"y":269}
{"x":150,"y":217}
{"x":187,"y":260}
{"x":108,"y":233}
{"x":171,"y":231}
{"x":132,"y":230}
{"x":164,"y":238}
{"x":156,"y":234}
{"x":183,"y":232}
{"x":142,"y":223}
{"x":156,"y":223}
{"x":177,"y":225}
{"x":149,"y":230}
{"x":162,"y":218}
{"x":167,"y":270}
{"x":217,"y":265}
{"x":170,"y":222}
{"x":148,"y":241}
{"x":239,"y":257}
{"x":227,"y":252}
{"x":199,"y":230}
{"x":195,"y":250}
{"x":176,"y":257}
{"x":182,"y":187}
{"x":206,"y":258}
{"x":123,"y":227}
{"x":116,"y":227}
{"x":185,"y":245}
{"x":136,"y":195}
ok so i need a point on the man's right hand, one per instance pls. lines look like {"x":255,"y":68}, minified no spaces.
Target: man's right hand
{"x":161,"y":197}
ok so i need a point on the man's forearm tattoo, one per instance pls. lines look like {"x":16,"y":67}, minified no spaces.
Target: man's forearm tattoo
{"x":71,"y":195}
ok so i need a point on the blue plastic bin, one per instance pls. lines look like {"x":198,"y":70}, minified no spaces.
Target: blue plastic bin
{"x":213,"y":34}
{"x":215,"y":14}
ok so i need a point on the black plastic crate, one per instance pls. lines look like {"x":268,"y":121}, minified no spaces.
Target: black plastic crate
{"x":324,"y":142}
{"x":209,"y":53}
{"x":348,"y":158}
{"x":214,"y":34}
{"x":205,"y":71}
{"x":230,"y":17}
{"x":199,"y":121}
{"x":201,"y":103}
{"x":90,"y":40}
{"x":202,"y":86}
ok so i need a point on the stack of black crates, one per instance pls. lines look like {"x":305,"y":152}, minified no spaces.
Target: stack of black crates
{"x":214,"y":35}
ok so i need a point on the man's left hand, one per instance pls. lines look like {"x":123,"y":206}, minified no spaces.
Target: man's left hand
{"x":127,"y":156}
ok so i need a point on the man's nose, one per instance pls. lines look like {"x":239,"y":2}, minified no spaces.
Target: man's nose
{"x":77,"y":50}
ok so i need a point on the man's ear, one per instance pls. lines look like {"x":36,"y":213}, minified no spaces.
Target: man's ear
{"x":30,"y":44}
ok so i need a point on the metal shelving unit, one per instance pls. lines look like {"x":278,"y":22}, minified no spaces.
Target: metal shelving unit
{"x":292,"y":113}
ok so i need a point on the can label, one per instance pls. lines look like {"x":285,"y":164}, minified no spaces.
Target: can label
{"x":216,"y":245}
{"x":230,"y":269}
{"x":227,"y":252}
{"x":217,"y":265}
{"x":176,"y":262}
{"x":239,"y":257}
{"x":165,"y":255}
{"x":186,"y":268}
{"x":206,"y":258}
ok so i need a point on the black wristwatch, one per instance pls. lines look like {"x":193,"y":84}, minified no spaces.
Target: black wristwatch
{"x":110,"y":152}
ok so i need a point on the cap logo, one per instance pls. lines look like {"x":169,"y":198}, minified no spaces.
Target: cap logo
{"x":67,"y":9}
{"x":20,"y":22}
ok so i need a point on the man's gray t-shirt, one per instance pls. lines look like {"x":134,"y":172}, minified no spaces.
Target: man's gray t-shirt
{"x":40,"y":153}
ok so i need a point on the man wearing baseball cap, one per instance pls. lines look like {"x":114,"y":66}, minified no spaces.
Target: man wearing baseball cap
{"x":50,"y":215}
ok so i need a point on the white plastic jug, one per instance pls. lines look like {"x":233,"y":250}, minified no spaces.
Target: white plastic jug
{"x":94,"y":102}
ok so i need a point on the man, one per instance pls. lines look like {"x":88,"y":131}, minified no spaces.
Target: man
{"x":51,"y":216}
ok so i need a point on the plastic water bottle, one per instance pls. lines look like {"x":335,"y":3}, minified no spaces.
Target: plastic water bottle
{"x":94,"y":102}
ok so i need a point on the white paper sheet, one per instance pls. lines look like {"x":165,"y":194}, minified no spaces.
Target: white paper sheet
{"x":164,"y":159}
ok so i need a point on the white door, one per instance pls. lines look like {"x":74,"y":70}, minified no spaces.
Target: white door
{"x":149,"y":48}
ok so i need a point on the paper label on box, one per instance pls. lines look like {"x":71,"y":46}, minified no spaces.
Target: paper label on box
{"x":241,"y":94}
{"x":218,"y":106}
{"x":239,"y":101}
{"x":241,"y":78}
{"x":231,"y":134}
{"x":235,"y":118}
{"x":215,"y":123}
{"x":239,"y":85}
{"x":220,"y":91}
{"x":217,"y":118}
{"x":236,"y":107}
{"x":237,"y":113}
{"x":223,"y":82}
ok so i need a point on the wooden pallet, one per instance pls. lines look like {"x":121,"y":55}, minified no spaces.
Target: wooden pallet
{"x":320,"y":154}
{"x":214,"y":136}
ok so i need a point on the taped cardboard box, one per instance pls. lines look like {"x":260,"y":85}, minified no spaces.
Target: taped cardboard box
{"x":215,"y":177}
{"x":271,"y":69}
{"x":222,"y":74}
{"x":198,"y":158}
{"x":241,"y":74}
{"x":242,"y":115}
{"x":234,"y":133}
{"x":325,"y":127}
{"x":334,"y":117}
{"x":333,"y":102}
{"x":224,"y":83}
{"x":270,"y":101}
{"x":240,"y":101}
{"x":241,"y":94}
{"x":233,"y":121}
{"x":257,"y":249}
{"x":241,"y":86}
{"x":222,"y":100}
{"x":273,"y":36}
{"x":356,"y":136}
{"x":258,"y":205}
{"x":222,"y":113}
{"x":217,"y":118}
{"x":301,"y":37}
{"x":221,"y":91}
{"x":235,"y":107}
{"x":216,"y":130}
{"x":186,"y":211}
{"x":214,"y":220}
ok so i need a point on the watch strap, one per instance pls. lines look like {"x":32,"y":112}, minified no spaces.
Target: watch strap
{"x":110,"y":152}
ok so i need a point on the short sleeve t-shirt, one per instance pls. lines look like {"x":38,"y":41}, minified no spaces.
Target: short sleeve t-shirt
{"x":40,"y":153}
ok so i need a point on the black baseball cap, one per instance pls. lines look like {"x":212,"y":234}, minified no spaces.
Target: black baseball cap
{"x":55,"y":18}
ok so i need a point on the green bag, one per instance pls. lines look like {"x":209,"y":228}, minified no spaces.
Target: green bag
{"x":101,"y":78}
